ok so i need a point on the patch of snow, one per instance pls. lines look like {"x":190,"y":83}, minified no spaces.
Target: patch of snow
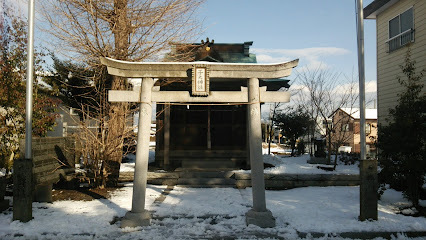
{"x":409,"y":211}
{"x":395,"y":199}
{"x":271,"y":159}
{"x":129,"y":165}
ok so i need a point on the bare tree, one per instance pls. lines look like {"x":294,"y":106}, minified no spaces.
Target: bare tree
{"x":134,"y":30}
{"x":323,"y":92}
{"x":123,"y":29}
{"x":269,"y":130}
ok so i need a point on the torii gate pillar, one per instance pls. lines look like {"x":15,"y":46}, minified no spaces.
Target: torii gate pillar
{"x":258,"y":215}
{"x":139,"y":216}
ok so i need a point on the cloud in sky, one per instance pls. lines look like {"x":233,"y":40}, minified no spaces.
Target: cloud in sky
{"x":312,"y":59}
{"x":19,"y":5}
{"x":309,"y":57}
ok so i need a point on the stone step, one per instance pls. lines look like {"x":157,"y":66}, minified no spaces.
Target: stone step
{"x":206,"y":174}
{"x":207,"y":186}
{"x":207,"y":153}
{"x":207,"y":164}
{"x":206,"y":181}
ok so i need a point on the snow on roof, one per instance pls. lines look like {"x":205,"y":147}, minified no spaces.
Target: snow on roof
{"x":370,"y":113}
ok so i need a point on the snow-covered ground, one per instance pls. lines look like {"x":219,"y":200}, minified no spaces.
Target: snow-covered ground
{"x":199,"y":213}
{"x":211,"y":212}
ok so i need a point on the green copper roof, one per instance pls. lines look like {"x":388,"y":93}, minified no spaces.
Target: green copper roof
{"x":238,"y":57}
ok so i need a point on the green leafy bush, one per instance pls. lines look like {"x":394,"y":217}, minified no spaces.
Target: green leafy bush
{"x":402,"y":142}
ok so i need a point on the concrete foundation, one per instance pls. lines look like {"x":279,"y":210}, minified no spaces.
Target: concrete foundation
{"x":132,"y":219}
{"x":368,"y":190}
{"x":43,"y":193}
{"x":261,"y":219}
{"x":4,"y":203}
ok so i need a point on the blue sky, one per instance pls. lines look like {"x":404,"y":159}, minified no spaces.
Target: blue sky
{"x":318,"y":32}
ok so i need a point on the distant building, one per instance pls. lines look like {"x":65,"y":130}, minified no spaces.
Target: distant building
{"x":346,"y":126}
{"x":399,"y":23}
{"x":69,"y":122}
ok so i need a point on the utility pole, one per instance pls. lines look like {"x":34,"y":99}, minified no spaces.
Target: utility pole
{"x":23,"y":167}
{"x":368,"y":168}
{"x":361,"y":73}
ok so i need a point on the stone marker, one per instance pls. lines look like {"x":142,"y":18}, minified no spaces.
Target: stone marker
{"x":368,"y":190}
{"x":22,"y":189}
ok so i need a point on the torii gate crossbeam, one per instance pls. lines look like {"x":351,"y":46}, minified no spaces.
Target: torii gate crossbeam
{"x":253,"y":95}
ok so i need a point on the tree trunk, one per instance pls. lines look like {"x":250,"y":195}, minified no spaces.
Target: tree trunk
{"x":335,"y":161}
{"x":293,"y":146}
{"x":117,"y":112}
{"x":269,"y":141}
{"x":329,"y":148}
{"x":116,"y":134}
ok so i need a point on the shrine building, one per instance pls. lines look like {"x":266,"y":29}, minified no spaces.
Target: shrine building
{"x":206,"y":135}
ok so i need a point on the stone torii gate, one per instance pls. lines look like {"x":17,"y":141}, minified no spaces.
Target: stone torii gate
{"x":200,"y":72}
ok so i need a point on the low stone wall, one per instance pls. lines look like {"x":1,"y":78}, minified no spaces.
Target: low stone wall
{"x":272,"y":181}
{"x":287,"y":181}
{"x":53,"y":158}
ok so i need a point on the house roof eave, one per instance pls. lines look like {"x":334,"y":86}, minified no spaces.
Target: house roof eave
{"x":376,"y":7}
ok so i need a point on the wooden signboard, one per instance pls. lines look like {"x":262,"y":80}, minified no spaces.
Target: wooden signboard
{"x":200,"y":80}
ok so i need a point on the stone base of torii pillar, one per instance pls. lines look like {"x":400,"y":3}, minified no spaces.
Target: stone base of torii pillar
{"x":139,"y":219}
{"x":260,"y":219}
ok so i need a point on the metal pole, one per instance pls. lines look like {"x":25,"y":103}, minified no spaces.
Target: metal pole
{"x":361,"y":73}
{"x":30,"y":72}
{"x":23,"y":168}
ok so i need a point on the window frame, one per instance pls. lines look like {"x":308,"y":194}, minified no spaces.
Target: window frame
{"x":397,"y":39}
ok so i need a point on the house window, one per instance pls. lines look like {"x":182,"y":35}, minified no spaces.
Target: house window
{"x":73,"y":112}
{"x":367,"y":129}
{"x":345,"y":127}
{"x":401,"y":30}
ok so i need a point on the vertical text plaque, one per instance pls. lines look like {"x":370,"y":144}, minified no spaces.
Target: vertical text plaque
{"x":200,"y":80}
